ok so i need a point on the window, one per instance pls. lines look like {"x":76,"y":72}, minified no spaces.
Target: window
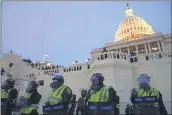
{"x":124,"y":31}
{"x":127,"y":30}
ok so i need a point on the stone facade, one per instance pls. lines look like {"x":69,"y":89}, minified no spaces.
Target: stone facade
{"x":120,"y":70}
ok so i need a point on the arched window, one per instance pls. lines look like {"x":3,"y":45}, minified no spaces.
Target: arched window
{"x":127,"y":30}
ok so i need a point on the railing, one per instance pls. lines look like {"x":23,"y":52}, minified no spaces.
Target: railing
{"x":110,"y":55}
{"x":159,"y":55}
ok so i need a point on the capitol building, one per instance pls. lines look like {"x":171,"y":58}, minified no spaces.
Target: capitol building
{"x":136,"y":49}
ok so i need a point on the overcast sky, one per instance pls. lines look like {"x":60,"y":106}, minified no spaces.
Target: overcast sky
{"x":67,"y":31}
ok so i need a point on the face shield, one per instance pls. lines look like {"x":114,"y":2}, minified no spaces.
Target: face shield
{"x":143,"y":81}
{"x":56,"y":83}
{"x":5,"y":85}
{"x":95,"y":83}
{"x":31,"y":86}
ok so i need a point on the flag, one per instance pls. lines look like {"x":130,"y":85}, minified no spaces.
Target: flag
{"x":46,"y":55}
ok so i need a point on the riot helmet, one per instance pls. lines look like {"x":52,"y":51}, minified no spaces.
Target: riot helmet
{"x":83,"y":92}
{"x":96,"y":81}
{"x":73,"y":97}
{"x":58,"y":80}
{"x":143,"y":81}
{"x":8,"y":84}
{"x":31,"y":86}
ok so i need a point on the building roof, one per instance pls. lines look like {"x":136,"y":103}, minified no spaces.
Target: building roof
{"x":132,"y":27}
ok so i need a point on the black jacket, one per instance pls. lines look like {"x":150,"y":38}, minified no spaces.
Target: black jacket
{"x":34,"y":99}
{"x":66,"y":99}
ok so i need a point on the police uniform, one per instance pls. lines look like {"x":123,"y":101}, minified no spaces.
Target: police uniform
{"x":81,"y":102}
{"x":8,"y":97}
{"x":147,"y":91}
{"x":29,"y":103}
{"x":60,"y":95}
{"x":117,"y":107}
{"x":100,"y":98}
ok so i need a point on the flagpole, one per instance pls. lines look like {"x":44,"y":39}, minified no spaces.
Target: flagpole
{"x":43,"y":58}
{"x":45,"y":55}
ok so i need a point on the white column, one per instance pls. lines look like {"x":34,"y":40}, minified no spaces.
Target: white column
{"x":163,"y":46}
{"x":146,"y":49}
{"x":149,"y":48}
{"x":128,"y":50}
{"x":137,"y":50}
{"x":120,"y":50}
{"x":159,"y":47}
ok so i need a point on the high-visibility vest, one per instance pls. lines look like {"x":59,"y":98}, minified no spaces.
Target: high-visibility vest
{"x":55,"y":97}
{"x":100,"y":96}
{"x":28,"y":109}
{"x":151,"y":92}
{"x":4,"y":93}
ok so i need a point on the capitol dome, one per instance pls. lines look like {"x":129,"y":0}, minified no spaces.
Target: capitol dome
{"x":132,"y":27}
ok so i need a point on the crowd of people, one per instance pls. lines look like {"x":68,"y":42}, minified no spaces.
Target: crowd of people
{"x":98,"y":99}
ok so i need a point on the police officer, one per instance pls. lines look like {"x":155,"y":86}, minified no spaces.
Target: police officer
{"x":29,"y":103}
{"x":145,"y":90}
{"x":72,"y":105}
{"x":60,"y":94}
{"x":117,"y":105}
{"x":81,"y":102}
{"x":127,"y":109}
{"x":8,"y":96}
{"x":100,"y":98}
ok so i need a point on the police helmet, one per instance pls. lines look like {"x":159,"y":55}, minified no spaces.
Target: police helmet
{"x":32,"y":86}
{"x":83,"y":91}
{"x":59,"y":78}
{"x":9,"y":83}
{"x":57,"y":81}
{"x":96,"y":80}
{"x":143,"y":78}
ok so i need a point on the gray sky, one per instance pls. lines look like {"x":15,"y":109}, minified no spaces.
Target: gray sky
{"x":67,"y":31}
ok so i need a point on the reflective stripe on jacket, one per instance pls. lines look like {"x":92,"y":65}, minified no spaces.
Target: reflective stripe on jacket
{"x":100,"y":96}
{"x":4,"y":93}
{"x":28,"y":109}
{"x":55,"y":97}
{"x":151,"y":92}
